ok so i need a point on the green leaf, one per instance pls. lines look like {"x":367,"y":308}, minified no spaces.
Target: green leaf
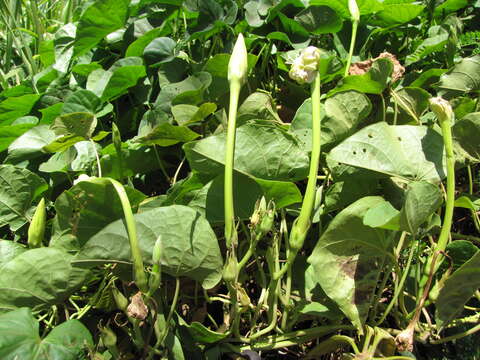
{"x":185,"y":114}
{"x":349,"y":258}
{"x":121,"y":80}
{"x":468,"y":202}
{"x":343,"y":193}
{"x":459,"y":251}
{"x":374,"y":81}
{"x":97,"y":21}
{"x":8,"y":134}
{"x":422,"y":199}
{"x":189,"y":245}
{"x":67,"y":341}
{"x":9,"y":250}
{"x":204,"y":335}
{"x":137,"y":47}
{"x":81,"y":124}
{"x":30,"y":144}
{"x":257,"y":105}
{"x":83,"y":101}
{"x":466,"y":132}
{"x":192,"y":88}
{"x":412,"y":101}
{"x":20,"y":190}
{"x":366,"y":7}
{"x":262,"y":151}
{"x":408,"y":152}
{"x":340,"y":116}
{"x":436,"y":41}
{"x":458,"y":289}
{"x":398,"y":12}
{"x":320,"y":20}
{"x":64,"y":142}
{"x":463,"y":78}
{"x":159,"y":51}
{"x":15,"y":107}
{"x":167,"y":134}
{"x":38,"y":278}
{"x":449,"y":6}
{"x":383,"y":215}
{"x":85,"y":209}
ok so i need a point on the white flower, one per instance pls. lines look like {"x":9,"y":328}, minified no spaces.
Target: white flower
{"x":304,"y":67}
{"x":353,"y":8}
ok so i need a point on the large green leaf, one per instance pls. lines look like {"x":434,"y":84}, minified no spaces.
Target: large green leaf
{"x":85,"y":209}
{"x":20,"y":338}
{"x":320,"y":20}
{"x":412,"y":101}
{"x":189,"y":245}
{"x":160,"y":50}
{"x":466,"y":133}
{"x":101,"y":18}
{"x":82,"y":101}
{"x":398,"y":12}
{"x":20,"y":190}
{"x":422,"y":199}
{"x":436,"y":40}
{"x":30,"y":144}
{"x":38,"y":278}
{"x":8,"y":134}
{"x":348,"y":259}
{"x":458,"y":288}
{"x":340,"y":116}
{"x":463,"y":78}
{"x":8,"y":250}
{"x":409,"y":152}
{"x":14,"y":107}
{"x":121,"y":80}
{"x":263,"y":151}
{"x":81,"y":124}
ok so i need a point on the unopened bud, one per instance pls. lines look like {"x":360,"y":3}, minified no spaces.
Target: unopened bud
{"x":268,"y":218}
{"x":230,"y":270}
{"x":354,"y":12}
{"x":36,"y":231}
{"x":238,"y":64}
{"x":441,"y":108}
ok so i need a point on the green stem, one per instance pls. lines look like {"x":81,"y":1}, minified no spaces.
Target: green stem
{"x":457,"y":336}
{"x":466,"y":237}
{"x":99,"y":167}
{"x":302,"y":223}
{"x":138,"y":269}
{"x":352,"y":46}
{"x":449,"y":206}
{"x":230,"y":232}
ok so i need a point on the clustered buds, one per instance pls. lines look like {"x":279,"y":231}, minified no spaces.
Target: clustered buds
{"x":305,"y":66}
{"x":263,"y":217}
{"x":441,"y":108}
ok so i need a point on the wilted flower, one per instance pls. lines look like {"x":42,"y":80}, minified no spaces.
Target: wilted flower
{"x":441,"y":108}
{"x":304,"y":67}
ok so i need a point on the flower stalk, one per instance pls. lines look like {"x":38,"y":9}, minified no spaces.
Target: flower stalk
{"x":237,"y":74}
{"x":355,"y":17}
{"x":307,"y":67}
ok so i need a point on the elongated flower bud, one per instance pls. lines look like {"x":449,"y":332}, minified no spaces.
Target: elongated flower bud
{"x":304,"y":67}
{"x":36,"y":231}
{"x":354,"y":12}
{"x":238,"y":64}
{"x":442,"y":109}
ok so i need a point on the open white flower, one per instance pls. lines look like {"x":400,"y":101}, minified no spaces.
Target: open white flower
{"x":304,"y":67}
{"x":441,"y":108}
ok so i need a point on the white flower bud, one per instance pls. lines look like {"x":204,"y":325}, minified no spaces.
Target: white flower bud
{"x":238,"y":64}
{"x":353,"y":8}
{"x":441,"y":108}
